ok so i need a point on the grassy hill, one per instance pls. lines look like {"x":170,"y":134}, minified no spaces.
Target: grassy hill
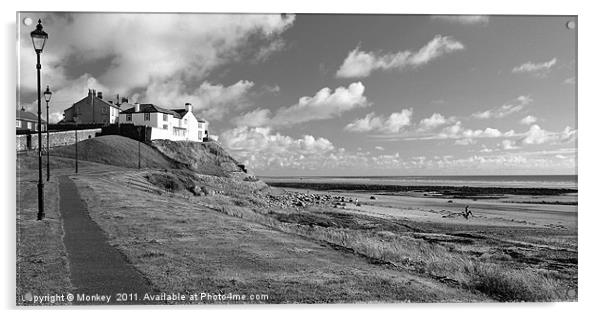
{"x":202,"y":158}
{"x":116,"y":151}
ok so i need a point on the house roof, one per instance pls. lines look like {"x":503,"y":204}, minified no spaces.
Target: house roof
{"x":27,"y":116}
{"x":150,"y":108}
{"x":181,"y":112}
{"x":96,"y":100}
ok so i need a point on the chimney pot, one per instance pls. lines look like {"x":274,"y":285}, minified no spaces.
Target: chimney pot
{"x":100,"y":95}
{"x":137,"y":107}
{"x":188,"y":107}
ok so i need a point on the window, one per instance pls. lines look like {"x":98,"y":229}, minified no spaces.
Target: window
{"x":179,"y":131}
{"x":200,"y":135}
{"x":164,"y":117}
{"x":128,"y":117}
{"x":146,"y":116}
{"x":18,"y":124}
{"x":185,"y":121}
{"x":165,"y":126}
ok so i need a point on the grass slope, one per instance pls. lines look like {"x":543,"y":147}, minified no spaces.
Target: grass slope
{"x":117,"y":151}
{"x":204,"y":158}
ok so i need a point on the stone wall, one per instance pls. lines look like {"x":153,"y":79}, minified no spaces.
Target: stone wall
{"x":57,"y":138}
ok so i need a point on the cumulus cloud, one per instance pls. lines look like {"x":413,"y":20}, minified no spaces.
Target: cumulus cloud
{"x":255,"y":118}
{"x":539,"y":69}
{"x":210,"y":101}
{"x":507,"y":109}
{"x":434,"y":121}
{"x":508,"y":144}
{"x":360,"y":64}
{"x":528,"y":120}
{"x":126,"y":52}
{"x":261,"y":147}
{"x":325,"y":104}
{"x":392,"y":124}
{"x":463,"y":19}
{"x":537,"y":136}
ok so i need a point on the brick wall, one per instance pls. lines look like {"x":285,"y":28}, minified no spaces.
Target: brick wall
{"x":57,"y":138}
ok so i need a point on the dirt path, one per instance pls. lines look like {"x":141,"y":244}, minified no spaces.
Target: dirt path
{"x":96,"y":267}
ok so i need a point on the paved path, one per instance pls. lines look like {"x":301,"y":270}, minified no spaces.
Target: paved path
{"x":96,"y":267}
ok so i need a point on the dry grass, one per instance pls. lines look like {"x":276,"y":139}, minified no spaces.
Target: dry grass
{"x":481,"y":275}
{"x":187,"y":243}
{"x":42,"y":265}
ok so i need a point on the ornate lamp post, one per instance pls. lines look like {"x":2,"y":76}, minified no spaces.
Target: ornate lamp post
{"x":47,"y":96}
{"x":38,"y":37}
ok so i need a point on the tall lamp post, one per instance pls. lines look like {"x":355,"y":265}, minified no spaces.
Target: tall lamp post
{"x":38,"y":37}
{"x":47,"y":96}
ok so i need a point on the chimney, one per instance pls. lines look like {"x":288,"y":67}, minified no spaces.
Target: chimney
{"x":188,"y":107}
{"x":89,"y":92}
{"x":124,"y":100}
{"x":137,"y":107}
{"x":100,"y":95}
{"x":93,"y":92}
{"x":117,"y":100}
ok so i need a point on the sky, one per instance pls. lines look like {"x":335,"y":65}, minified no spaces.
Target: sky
{"x":331,"y":95}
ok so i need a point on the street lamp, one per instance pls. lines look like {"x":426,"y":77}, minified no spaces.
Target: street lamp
{"x":38,"y":37}
{"x":47,"y":96}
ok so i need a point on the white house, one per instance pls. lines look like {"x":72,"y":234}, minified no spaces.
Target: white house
{"x":172,"y":124}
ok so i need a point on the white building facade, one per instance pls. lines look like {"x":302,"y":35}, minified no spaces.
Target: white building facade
{"x":171,"y":124}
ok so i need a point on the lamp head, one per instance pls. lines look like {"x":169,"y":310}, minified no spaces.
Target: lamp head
{"x":47,"y":94}
{"x":38,"y":37}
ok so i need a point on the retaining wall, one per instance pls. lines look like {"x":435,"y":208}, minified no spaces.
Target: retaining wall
{"x":57,"y":138}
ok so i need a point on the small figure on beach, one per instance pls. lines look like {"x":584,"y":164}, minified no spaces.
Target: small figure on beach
{"x":467,"y":212}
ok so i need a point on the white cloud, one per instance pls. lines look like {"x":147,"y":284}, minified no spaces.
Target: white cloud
{"x":537,"y":136}
{"x":361,"y":64}
{"x":142,"y":50}
{"x":463,"y":19}
{"x":255,"y":118}
{"x":210,"y":101}
{"x":392,"y":124}
{"x":539,"y":69}
{"x":528,"y":120}
{"x":434,"y":121}
{"x":465,"y":136}
{"x":325,"y":104}
{"x":379,"y":148}
{"x":508,"y":144}
{"x":506,"y":109}
{"x":260,"y":148}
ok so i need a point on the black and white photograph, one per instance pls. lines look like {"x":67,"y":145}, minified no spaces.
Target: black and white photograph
{"x":217,"y":158}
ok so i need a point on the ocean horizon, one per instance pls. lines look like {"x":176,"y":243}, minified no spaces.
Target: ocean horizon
{"x":510,"y":181}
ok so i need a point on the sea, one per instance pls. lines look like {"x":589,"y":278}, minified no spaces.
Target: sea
{"x":509,"y":181}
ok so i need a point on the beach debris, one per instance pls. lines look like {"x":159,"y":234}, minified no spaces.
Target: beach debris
{"x":372,"y":197}
{"x":450,"y":201}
